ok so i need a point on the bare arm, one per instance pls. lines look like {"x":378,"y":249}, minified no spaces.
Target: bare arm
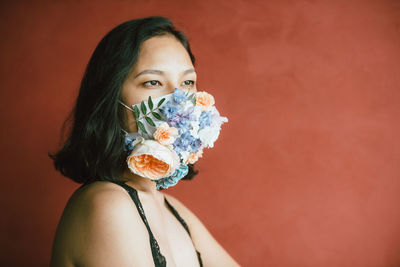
{"x":212,"y":253}
{"x":101,"y":227}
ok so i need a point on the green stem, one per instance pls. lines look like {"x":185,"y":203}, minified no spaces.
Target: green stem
{"x":148,"y":113}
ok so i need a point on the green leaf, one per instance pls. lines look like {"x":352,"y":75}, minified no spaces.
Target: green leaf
{"x":157,"y":116}
{"x":149,"y":121}
{"x":143,"y":108}
{"x":150,"y":103}
{"x":160,"y":102}
{"x":193,"y":101}
{"x":141,"y":126}
{"x":136,"y":112}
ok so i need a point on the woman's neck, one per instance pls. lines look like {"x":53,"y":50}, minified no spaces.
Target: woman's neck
{"x":144,"y":185}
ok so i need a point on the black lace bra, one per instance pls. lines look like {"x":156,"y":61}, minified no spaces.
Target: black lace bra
{"x":159,"y":259}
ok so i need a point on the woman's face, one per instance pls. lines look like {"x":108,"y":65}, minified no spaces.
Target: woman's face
{"x":163,"y":64}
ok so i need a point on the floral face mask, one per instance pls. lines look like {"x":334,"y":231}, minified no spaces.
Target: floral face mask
{"x":172,"y":132}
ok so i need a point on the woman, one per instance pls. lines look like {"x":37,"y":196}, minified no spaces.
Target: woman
{"x":110,"y":219}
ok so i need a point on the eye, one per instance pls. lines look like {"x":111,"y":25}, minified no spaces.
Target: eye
{"x":151,"y":83}
{"x":188,"y":83}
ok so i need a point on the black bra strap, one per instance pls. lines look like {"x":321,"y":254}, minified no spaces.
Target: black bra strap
{"x":178,"y":216}
{"x":159,"y":259}
{"x":185,"y":226}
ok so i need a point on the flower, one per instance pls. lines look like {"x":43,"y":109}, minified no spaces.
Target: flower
{"x":194,"y":128}
{"x":209,"y":135}
{"x":183,"y":141}
{"x":174,"y":178}
{"x":195,"y":145}
{"x":217,"y":120}
{"x":177,"y":127}
{"x":181,"y":121}
{"x":169,"y":109}
{"x":165,"y":134}
{"x":204,"y":100}
{"x":179,"y":95}
{"x":184,"y":155}
{"x":128,"y":144}
{"x":152,"y":160}
{"x":205,"y":119}
{"x":193,"y":157}
{"x":130,"y":140}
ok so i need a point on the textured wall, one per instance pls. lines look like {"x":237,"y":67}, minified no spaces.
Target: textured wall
{"x":305,"y":173}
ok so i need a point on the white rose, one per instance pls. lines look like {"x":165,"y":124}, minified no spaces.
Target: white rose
{"x":209,"y":135}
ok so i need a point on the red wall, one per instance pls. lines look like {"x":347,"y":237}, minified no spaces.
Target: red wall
{"x":305,"y":173}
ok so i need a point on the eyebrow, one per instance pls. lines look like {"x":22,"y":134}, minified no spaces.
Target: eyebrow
{"x":159,"y":72}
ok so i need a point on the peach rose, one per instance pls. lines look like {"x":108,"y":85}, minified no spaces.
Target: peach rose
{"x":193,"y":157}
{"x":204,"y":100}
{"x":165,"y":134}
{"x":152,"y":160}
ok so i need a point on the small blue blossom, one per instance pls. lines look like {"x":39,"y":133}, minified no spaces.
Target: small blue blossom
{"x":187,"y":137}
{"x":180,"y":121}
{"x":169,"y":110}
{"x":183,"y":141}
{"x":128,"y":147}
{"x":179,"y":146}
{"x":179,"y":95}
{"x":205,"y":119}
{"x":195,"y":145}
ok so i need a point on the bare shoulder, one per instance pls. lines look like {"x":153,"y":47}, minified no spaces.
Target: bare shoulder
{"x":100,"y":194}
{"x":212,"y":253}
{"x":100,"y":226}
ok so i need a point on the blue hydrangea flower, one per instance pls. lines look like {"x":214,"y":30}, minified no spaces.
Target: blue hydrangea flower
{"x":128,"y":147}
{"x":182,"y":119}
{"x":179,"y":95}
{"x":174,"y":178}
{"x":187,"y":142}
{"x":205,"y":119}
{"x":183,"y":141}
{"x":195,"y":145}
{"x":179,"y":146}
{"x":169,"y":110}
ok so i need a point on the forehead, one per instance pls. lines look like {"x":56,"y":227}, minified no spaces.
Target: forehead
{"x":163,"y":53}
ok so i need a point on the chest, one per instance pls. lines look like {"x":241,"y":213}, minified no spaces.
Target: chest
{"x":174,"y":241}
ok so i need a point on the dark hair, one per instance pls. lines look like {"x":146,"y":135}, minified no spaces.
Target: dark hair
{"x":94,"y":148}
